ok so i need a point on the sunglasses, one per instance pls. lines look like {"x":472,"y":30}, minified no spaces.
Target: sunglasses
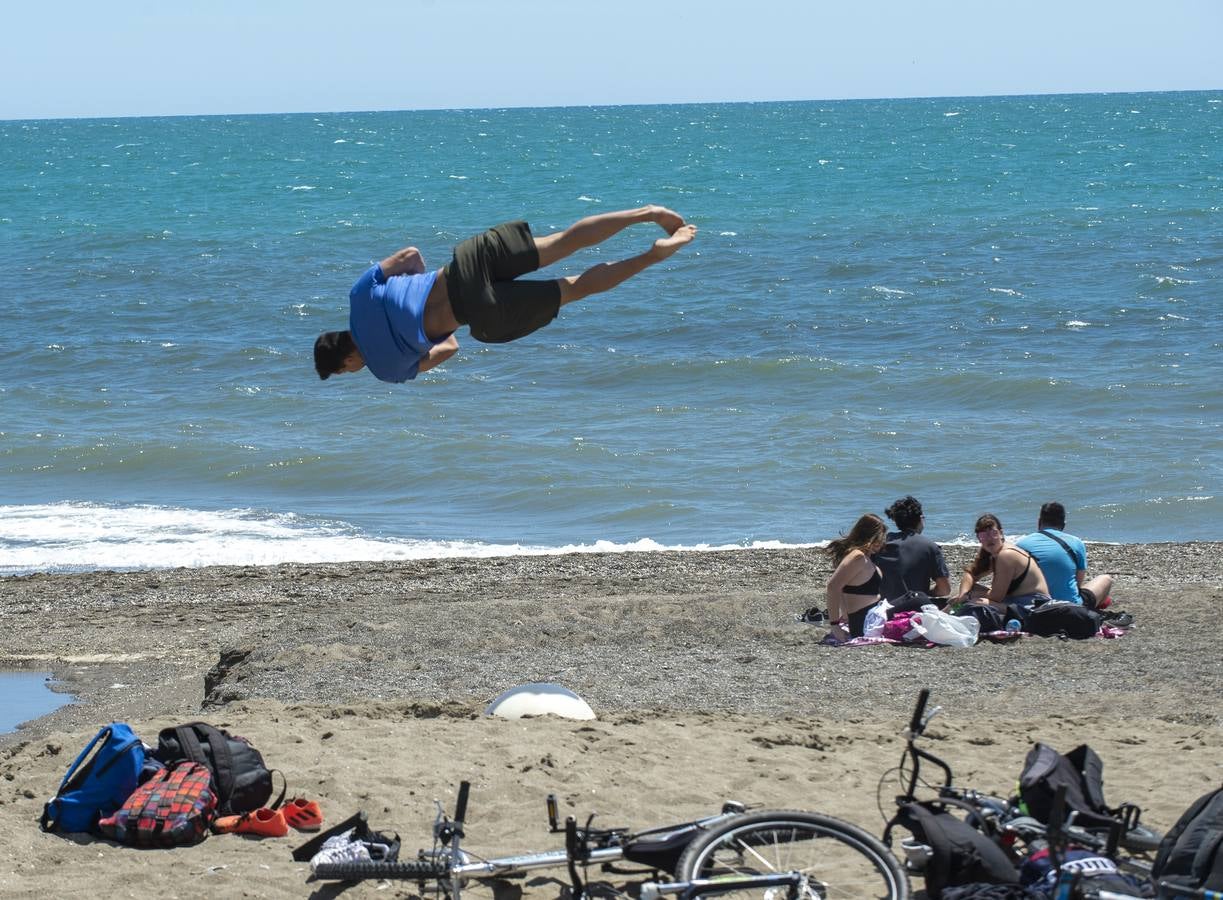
{"x":988,"y":532}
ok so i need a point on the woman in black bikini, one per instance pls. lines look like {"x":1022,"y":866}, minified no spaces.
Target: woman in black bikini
{"x":1017,"y":580}
{"x":854,"y":586}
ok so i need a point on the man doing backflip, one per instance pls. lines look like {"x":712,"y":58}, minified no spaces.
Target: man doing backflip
{"x":402,"y":318}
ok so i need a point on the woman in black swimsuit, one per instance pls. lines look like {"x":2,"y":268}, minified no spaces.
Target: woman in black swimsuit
{"x":854,"y":586}
{"x":1017,"y":580}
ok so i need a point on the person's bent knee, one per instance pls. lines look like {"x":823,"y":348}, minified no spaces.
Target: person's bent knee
{"x":571,"y":290}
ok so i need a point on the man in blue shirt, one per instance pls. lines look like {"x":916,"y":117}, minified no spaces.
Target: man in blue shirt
{"x":402,"y":318}
{"x":1062,"y":558}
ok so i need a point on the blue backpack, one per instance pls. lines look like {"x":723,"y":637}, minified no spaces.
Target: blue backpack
{"x":98,"y":786}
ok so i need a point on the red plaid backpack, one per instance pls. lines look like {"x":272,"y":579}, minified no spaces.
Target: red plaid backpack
{"x":173,"y":808}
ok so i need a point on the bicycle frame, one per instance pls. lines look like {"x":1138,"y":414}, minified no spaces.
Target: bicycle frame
{"x":917,"y":725}
{"x":455,"y":865}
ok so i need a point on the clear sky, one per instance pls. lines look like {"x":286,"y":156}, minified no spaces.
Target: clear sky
{"x":64,"y":58}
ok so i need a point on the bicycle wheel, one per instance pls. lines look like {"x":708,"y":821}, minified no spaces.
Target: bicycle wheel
{"x":358,"y":869}
{"x":839,"y":860}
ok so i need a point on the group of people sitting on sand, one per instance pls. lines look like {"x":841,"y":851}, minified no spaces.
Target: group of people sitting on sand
{"x":874,"y":564}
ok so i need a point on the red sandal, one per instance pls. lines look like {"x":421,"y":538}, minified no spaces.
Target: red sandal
{"x":304,"y":815}
{"x":263,"y":822}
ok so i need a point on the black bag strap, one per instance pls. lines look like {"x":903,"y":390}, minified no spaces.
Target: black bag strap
{"x":284,"y":789}
{"x":222,"y":763}
{"x":1053,"y":537}
{"x":189,"y":746}
{"x":1091,"y":770}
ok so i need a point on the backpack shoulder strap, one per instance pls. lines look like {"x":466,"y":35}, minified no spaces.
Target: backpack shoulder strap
{"x":1041,"y":761}
{"x":1091,"y":768}
{"x":189,"y":742}
{"x":1053,"y":537}
{"x":222,"y":762}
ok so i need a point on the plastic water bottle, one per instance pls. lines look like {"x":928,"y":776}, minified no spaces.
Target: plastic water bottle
{"x":1013,"y":626}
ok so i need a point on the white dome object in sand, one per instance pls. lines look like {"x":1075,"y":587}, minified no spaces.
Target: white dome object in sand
{"x":539,"y":699}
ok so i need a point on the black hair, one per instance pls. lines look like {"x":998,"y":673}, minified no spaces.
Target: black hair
{"x":906,"y":513}
{"x":330,"y":350}
{"x":1053,"y":514}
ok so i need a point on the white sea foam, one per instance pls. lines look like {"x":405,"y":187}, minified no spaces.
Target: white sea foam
{"x":880,"y":289}
{"x":1008,"y":291}
{"x":84,"y":537}
{"x":1075,"y":323}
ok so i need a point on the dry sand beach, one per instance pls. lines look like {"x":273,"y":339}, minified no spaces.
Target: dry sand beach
{"x":365,"y":683}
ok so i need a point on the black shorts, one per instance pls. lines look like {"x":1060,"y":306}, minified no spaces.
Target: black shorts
{"x":484,"y":294}
{"x":1089,"y":597}
{"x":857,"y":622}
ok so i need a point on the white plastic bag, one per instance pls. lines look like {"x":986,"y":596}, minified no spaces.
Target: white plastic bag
{"x":876,"y":618}
{"x":943,"y":628}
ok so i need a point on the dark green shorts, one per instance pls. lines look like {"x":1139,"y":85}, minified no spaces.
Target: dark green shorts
{"x":484,"y":294}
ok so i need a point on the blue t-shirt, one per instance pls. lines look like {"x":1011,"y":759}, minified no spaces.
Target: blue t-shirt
{"x":1055,"y":562}
{"x":387,"y":319}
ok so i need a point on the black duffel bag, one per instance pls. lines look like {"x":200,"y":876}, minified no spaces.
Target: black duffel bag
{"x":240,"y":779}
{"x":1058,"y":618}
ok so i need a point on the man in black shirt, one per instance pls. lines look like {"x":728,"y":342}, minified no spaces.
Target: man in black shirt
{"x":910,"y":561}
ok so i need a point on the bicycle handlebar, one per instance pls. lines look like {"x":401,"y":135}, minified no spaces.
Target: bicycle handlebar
{"x":460,"y":806}
{"x":915,"y":723}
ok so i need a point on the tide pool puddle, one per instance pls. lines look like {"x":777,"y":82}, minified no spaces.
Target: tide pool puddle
{"x":25,"y":696}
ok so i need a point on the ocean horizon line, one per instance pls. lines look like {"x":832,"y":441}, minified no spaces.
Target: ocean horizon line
{"x":617,"y":105}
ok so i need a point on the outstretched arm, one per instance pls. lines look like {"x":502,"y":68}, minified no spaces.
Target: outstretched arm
{"x":439,"y":353}
{"x":407,"y":261}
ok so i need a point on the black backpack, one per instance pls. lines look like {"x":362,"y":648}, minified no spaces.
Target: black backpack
{"x":1081,"y":773}
{"x":1191,"y":854}
{"x":239,"y":778}
{"x":960,"y":854}
{"x":1057,"y":618}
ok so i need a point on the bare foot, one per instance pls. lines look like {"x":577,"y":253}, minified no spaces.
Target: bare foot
{"x":668,"y":220}
{"x":664,"y":247}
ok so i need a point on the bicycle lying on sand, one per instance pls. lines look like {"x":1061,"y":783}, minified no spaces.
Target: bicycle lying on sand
{"x":999,"y":818}
{"x":768,"y":854}
{"x":1014,"y":832}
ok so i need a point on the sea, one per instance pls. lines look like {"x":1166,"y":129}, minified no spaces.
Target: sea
{"x":987,"y":303}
